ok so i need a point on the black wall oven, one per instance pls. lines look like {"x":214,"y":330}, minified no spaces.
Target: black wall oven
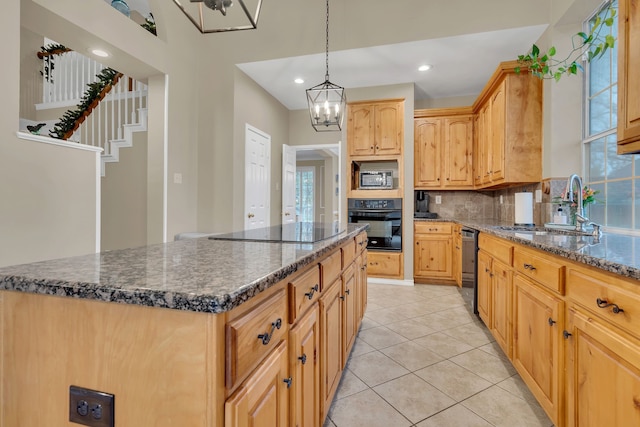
{"x":384,"y":217}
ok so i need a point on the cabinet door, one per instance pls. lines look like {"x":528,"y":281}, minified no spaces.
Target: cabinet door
{"x":628,"y":77}
{"x":330,"y":344}
{"x":497,"y":141}
{"x":349,"y":299}
{"x":362,"y":285}
{"x":484,"y":287}
{"x":501,"y":293}
{"x":305,"y":370}
{"x":361,"y":130}
{"x":385,"y":264}
{"x":263,"y":399}
{"x":603,"y":374}
{"x":457,"y":255}
{"x":458,"y":141}
{"x":389,"y":128}
{"x":480,"y":152}
{"x":538,"y":317}
{"x":433,"y":257}
{"x":427,"y":158}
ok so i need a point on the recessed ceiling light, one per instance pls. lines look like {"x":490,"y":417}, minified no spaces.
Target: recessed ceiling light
{"x":299,"y":81}
{"x":99,"y":52}
{"x":424,"y":67}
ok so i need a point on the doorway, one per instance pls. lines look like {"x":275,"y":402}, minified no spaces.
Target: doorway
{"x":321,"y":200}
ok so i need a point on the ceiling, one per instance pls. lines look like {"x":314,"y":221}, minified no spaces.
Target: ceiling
{"x":460,"y":66}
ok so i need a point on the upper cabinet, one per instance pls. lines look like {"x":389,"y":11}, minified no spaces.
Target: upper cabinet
{"x":508,"y":141}
{"x":628,"y":77}
{"x":375,"y":128}
{"x":443,"y":143}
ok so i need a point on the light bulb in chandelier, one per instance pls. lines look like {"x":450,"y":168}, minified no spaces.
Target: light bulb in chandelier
{"x":220,"y":5}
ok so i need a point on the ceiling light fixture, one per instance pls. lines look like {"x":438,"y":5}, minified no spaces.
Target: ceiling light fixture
{"x":424,"y":68}
{"x":299,"y":81}
{"x":207,"y":21}
{"x":99,"y":52}
{"x":326,"y":101}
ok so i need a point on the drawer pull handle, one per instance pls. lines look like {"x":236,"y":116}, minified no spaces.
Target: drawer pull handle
{"x":287,"y":381}
{"x":529,"y":267}
{"x":566,"y":334}
{"x":303,"y":358}
{"x":603,"y":303}
{"x":551,"y":321}
{"x":266,"y":337}
{"x":312,"y":291}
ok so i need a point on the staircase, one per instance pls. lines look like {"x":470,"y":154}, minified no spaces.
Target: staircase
{"x":110,"y":123}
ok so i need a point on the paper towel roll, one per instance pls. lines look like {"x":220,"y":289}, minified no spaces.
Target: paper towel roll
{"x":524,"y":209}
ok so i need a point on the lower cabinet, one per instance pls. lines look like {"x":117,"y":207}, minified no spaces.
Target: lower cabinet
{"x":330,"y":344}
{"x":385,"y":264}
{"x":501,"y":294}
{"x":433,"y":252}
{"x":263,"y":399}
{"x":349,"y":300}
{"x":304,"y":367}
{"x":538,"y":317}
{"x":603,"y":374}
{"x":484,"y":287}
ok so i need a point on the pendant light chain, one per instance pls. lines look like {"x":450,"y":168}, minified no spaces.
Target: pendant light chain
{"x":326,"y":76}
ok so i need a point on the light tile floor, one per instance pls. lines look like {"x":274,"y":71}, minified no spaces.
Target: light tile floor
{"x":423,"y":359}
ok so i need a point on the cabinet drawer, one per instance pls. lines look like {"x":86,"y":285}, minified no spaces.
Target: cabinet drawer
{"x":361,"y":242}
{"x":244,"y":348}
{"x":427,"y":227}
{"x":380,"y":264}
{"x":348,"y":253}
{"x":498,"y":248}
{"x":330,"y":269}
{"x":611,"y":298}
{"x":543,"y":269}
{"x":304,"y":290}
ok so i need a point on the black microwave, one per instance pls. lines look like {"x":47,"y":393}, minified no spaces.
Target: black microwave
{"x":376,"y":180}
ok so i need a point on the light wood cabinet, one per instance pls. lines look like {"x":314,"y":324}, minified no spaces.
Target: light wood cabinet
{"x":375,"y":128}
{"x":349,"y":300}
{"x":385,"y":264}
{"x":433,"y":252}
{"x":443,"y":151}
{"x":331,"y":362}
{"x":603,"y":374}
{"x":538,"y":317}
{"x":508,"y":146}
{"x":457,"y":254}
{"x":484,"y":287}
{"x":628,"y":77}
{"x":262,"y":400}
{"x":304,"y":367}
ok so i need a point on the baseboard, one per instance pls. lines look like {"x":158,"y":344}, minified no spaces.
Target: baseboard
{"x":383,"y":281}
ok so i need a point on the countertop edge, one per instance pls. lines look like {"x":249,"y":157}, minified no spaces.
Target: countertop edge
{"x":202,"y":303}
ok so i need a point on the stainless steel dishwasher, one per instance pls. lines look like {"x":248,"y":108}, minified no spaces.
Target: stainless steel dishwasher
{"x":469,"y":263}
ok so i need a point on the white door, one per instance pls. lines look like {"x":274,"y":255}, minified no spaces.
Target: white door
{"x":257,"y":192}
{"x":288,"y":184}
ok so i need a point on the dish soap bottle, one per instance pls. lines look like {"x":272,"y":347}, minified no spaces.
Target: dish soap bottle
{"x":560,"y":217}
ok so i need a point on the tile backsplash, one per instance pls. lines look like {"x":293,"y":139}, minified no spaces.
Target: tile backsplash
{"x":486,"y":204}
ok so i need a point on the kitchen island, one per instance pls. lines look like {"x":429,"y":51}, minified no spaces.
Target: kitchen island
{"x":191,"y":333}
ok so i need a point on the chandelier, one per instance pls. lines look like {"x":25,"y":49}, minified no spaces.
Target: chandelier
{"x":203,"y":14}
{"x":326,"y":101}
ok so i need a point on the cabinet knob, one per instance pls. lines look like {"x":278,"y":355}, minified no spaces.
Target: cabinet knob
{"x":303,"y":358}
{"x":551,"y":321}
{"x":287,"y":381}
{"x":566,"y":334}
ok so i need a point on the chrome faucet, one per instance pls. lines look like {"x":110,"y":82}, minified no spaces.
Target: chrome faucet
{"x":581,"y":219}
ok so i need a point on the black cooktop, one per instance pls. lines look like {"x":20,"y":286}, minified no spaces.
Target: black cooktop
{"x":299,"y":232}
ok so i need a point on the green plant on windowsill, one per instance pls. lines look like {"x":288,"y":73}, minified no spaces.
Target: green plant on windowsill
{"x":586,"y":46}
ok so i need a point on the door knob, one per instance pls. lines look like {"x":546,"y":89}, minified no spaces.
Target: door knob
{"x":250,"y":215}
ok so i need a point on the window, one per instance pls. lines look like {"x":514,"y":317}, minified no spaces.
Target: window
{"x":304,"y":193}
{"x":615,"y":177}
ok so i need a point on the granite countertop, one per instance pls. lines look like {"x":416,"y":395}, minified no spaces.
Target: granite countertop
{"x":199,"y":275}
{"x":612,"y":252}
